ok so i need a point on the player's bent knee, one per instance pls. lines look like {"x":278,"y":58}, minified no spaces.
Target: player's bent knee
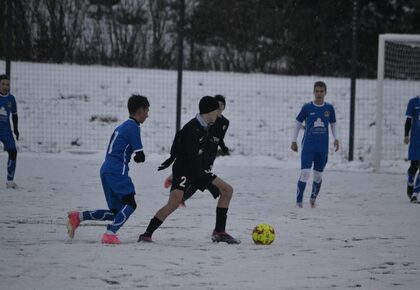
{"x":12,"y":154}
{"x":224,"y":188}
{"x":129,"y":200}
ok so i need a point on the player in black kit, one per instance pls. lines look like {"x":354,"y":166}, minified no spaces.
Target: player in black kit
{"x":217,"y":131}
{"x":190,"y":148}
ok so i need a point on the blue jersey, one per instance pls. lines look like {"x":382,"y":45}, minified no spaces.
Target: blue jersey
{"x":124,"y":141}
{"x":413,"y":112}
{"x":7,"y":107}
{"x":316,"y":118}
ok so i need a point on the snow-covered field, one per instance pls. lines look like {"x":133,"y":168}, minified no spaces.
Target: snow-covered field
{"x":363,"y":234}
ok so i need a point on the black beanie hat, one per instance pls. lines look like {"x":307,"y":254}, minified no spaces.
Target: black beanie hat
{"x":208,"y":104}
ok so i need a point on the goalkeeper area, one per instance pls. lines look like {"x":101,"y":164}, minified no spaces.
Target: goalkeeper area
{"x":363,"y":233}
{"x":398,"y":80}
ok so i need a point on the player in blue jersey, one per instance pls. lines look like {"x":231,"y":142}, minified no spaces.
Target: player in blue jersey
{"x":317,"y":115}
{"x":117,"y":185}
{"x":8,"y":107}
{"x":412,"y":137}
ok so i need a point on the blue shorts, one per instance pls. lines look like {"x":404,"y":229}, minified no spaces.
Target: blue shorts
{"x":115,"y":188}
{"x":414,"y":152}
{"x":319,"y":159}
{"x":8,"y":141}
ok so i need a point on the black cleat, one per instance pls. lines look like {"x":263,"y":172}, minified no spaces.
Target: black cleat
{"x":144,"y":238}
{"x":409,"y":191}
{"x":414,"y":199}
{"x":217,"y":237}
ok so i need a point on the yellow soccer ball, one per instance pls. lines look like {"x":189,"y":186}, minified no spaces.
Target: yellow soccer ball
{"x":263,"y":234}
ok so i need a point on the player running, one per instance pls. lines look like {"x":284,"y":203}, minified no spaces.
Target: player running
{"x":8,"y":107}
{"x":217,"y":131}
{"x":317,"y":115}
{"x":191,"y":145}
{"x":117,"y":185}
{"x":412,"y":137}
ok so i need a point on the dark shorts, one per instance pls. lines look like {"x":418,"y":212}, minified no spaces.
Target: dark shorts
{"x":414,"y":151}
{"x":8,"y":141}
{"x":115,"y":188}
{"x":184,"y":182}
{"x":318,"y":159}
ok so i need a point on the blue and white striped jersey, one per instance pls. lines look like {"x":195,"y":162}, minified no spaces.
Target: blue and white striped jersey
{"x":125,"y":141}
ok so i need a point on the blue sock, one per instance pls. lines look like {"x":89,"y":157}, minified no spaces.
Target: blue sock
{"x":121,"y":218}
{"x":315,"y":189}
{"x":410,"y":180}
{"x":98,"y":215}
{"x":300,"y":189}
{"x":11,"y":167}
{"x":416,"y":188}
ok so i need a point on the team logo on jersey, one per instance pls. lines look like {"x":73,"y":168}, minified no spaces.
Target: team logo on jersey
{"x":326,"y":114}
{"x":3,"y":111}
{"x":318,"y":123}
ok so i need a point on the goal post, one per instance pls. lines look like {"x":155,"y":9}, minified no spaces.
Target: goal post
{"x":398,"y":67}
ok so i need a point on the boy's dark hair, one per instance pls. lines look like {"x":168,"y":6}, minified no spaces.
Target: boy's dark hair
{"x":135,"y":102}
{"x":4,"y":77}
{"x":320,"y":84}
{"x":221,"y":98}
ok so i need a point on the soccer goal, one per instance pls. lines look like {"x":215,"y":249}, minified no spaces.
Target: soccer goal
{"x":398,"y":80}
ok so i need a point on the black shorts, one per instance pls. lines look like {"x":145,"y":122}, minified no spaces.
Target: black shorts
{"x":185,"y":181}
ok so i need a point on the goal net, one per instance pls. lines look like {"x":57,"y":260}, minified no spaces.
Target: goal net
{"x":398,"y":81}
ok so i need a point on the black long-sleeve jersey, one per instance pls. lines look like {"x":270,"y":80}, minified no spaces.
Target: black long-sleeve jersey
{"x":217,"y":133}
{"x":190,"y":145}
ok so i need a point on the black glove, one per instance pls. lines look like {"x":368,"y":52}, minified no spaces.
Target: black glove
{"x":167,"y":163}
{"x":139,"y":157}
{"x":225,"y":151}
{"x":16,"y":134}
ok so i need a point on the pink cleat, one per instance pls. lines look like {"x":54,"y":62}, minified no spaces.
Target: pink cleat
{"x":168,"y":182}
{"x":110,"y":239}
{"x":72,"y":223}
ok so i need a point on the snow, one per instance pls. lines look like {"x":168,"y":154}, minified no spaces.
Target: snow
{"x":363,"y":233}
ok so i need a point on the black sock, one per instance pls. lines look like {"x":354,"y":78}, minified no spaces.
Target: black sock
{"x":153,"y":225}
{"x":221,"y":216}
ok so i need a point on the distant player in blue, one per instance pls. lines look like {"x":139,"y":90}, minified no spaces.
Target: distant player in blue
{"x":117,"y":185}
{"x":317,"y":115}
{"x":8,"y":107}
{"x":412,"y":137}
